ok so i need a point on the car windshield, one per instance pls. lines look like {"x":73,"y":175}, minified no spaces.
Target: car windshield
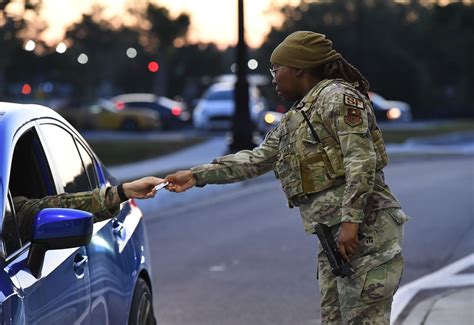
{"x":103,"y":104}
{"x":220,"y":95}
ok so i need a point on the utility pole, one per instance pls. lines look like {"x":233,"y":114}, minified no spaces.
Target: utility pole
{"x":242,"y":128}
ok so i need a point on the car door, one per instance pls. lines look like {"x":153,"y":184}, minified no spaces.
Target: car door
{"x":62,"y":294}
{"x":114,"y":257}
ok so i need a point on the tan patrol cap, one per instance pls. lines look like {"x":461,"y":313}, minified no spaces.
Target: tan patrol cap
{"x":304,"y":49}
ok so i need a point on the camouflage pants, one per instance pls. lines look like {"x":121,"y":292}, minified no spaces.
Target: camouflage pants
{"x":366,"y":296}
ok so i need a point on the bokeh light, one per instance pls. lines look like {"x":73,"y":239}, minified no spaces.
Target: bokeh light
{"x":82,"y":58}
{"x":252,"y":64}
{"x":153,"y":66}
{"x":131,"y":53}
{"x":26,"y":89}
{"x":269,"y":118}
{"x":30,"y":45}
{"x":61,"y":48}
{"x":394,"y":113}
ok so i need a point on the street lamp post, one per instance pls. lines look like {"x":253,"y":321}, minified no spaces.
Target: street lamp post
{"x":242,"y":128}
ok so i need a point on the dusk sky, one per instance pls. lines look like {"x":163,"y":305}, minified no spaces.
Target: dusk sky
{"x":211,"y":20}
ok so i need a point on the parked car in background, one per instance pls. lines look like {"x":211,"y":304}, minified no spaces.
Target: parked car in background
{"x":91,"y":273}
{"x":390,"y":110}
{"x":215,"y":108}
{"x":173,"y":114}
{"x":104,"y":114}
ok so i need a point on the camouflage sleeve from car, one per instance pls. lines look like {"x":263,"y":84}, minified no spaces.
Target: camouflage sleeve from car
{"x":348,"y":115}
{"x":103,"y":203}
{"x":241,"y":165}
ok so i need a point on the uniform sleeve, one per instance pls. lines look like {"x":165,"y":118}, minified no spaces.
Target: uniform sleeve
{"x":350,"y":124}
{"x":95,"y":202}
{"x":241,"y":165}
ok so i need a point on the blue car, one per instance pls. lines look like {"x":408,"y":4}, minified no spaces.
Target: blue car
{"x":72,"y":271}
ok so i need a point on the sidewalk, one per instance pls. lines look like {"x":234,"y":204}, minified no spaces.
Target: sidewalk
{"x":443,"y":297}
{"x":200,"y":154}
{"x":451,"y":307}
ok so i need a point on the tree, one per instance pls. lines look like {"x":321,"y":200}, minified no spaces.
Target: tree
{"x":410,"y":52}
{"x":160,"y":36}
{"x":105,"y":47}
{"x":194,"y":66}
{"x":10,"y":41}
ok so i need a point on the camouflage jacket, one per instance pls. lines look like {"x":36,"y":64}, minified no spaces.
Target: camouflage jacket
{"x":100,"y":202}
{"x":352,"y":188}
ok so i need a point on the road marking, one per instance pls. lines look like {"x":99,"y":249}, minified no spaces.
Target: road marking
{"x":446,"y":277}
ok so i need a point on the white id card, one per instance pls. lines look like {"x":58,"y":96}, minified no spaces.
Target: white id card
{"x":160,"y":186}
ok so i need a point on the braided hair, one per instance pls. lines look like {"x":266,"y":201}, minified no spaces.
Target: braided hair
{"x":340,"y":68}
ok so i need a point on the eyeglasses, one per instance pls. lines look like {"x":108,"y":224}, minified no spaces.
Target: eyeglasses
{"x":274,"y":70}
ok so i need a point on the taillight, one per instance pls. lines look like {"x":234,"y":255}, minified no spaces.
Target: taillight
{"x":176,"y":110}
{"x":119,"y":106}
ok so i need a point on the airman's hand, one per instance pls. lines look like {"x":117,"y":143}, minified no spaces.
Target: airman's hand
{"x":142,"y":188}
{"x":348,"y":240}
{"x":180,"y":181}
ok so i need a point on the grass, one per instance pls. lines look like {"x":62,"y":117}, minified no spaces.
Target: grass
{"x":400,"y":135}
{"x":113,"y":153}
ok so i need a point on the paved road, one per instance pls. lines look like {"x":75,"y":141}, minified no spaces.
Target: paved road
{"x":439,"y":196}
{"x":234,"y":254}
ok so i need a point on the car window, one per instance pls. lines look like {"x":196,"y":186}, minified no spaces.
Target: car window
{"x":220,"y":95}
{"x":141,"y":105}
{"x":30,"y":178}
{"x":95,"y":109}
{"x":88,"y":165}
{"x":107,"y":105}
{"x":30,"y":174}
{"x":67,"y":161}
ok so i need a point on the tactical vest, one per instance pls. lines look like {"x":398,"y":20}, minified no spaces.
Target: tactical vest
{"x":308,"y":165}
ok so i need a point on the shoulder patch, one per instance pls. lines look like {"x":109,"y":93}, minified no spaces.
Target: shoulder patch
{"x":353,"y":117}
{"x":354,"y":102}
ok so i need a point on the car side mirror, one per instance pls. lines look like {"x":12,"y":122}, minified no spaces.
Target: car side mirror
{"x":56,"y":229}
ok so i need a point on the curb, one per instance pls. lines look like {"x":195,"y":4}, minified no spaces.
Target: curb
{"x":450,"y":276}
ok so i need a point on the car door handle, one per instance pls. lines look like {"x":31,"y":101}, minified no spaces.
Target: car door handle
{"x":118,"y":229}
{"x":80,"y":262}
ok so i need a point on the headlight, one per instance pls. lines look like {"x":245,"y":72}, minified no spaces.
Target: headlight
{"x":394,"y":113}
{"x":269,"y":118}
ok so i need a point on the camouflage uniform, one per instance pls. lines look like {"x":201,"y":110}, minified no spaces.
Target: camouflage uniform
{"x":333,"y":176}
{"x":101,"y":202}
